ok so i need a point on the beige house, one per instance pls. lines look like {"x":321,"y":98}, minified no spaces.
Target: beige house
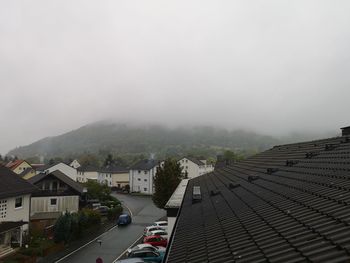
{"x":114,"y":176}
{"x":14,"y":210}
{"x":86,"y":173}
{"x":22,"y":168}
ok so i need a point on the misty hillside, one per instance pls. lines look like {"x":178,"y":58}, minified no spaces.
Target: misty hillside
{"x":124,"y":139}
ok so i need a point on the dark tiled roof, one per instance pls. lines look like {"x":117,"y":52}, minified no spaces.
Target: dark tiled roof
{"x":114,"y":169}
{"x":60,"y":176}
{"x":7,"y":226}
{"x":288,"y":204}
{"x":12,"y":185}
{"x":145,"y":165}
{"x":26,"y":171}
{"x":88,"y":168}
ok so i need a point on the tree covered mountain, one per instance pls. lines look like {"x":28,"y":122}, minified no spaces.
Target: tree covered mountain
{"x":121,"y":139}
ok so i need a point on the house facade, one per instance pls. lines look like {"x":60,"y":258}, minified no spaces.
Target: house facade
{"x":141,"y":176}
{"x":114,"y":176}
{"x":57,"y":194}
{"x":87,"y":173}
{"x":194,"y":167}
{"x":75,"y":164}
{"x":71,"y":172}
{"x":15,"y":194}
{"x":22,"y":168}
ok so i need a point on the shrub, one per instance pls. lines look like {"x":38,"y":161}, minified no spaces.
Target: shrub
{"x":114,"y":213}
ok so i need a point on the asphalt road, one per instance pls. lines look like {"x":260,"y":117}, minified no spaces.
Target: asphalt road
{"x":118,"y":239}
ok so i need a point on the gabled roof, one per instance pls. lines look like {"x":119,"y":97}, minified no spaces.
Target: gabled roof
{"x":145,"y":165}
{"x":48,"y":166}
{"x":12,"y":185}
{"x":60,"y":176}
{"x":14,"y":164}
{"x":288,"y":204}
{"x":194,"y":160}
{"x":88,"y":168}
{"x":26,"y":171}
{"x":114,"y":169}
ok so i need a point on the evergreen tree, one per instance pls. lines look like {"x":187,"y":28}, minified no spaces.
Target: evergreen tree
{"x":109,"y":160}
{"x":166,"y":180}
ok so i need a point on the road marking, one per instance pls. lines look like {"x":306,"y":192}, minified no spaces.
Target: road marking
{"x":68,"y":255}
{"x":133,"y":244}
{"x":129,"y":210}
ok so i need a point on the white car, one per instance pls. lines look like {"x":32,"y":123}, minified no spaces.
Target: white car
{"x":145,"y":246}
{"x":162,"y":224}
{"x":151,"y":228}
{"x":161,"y":233}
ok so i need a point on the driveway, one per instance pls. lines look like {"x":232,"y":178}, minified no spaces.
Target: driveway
{"x":118,"y":239}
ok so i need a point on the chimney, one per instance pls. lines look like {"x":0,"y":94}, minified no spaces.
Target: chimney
{"x":345,"y":131}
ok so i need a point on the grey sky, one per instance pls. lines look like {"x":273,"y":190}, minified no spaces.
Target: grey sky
{"x":272,"y":66}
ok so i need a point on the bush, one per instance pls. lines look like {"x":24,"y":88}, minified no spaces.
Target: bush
{"x":114,"y":213}
{"x":72,"y":225}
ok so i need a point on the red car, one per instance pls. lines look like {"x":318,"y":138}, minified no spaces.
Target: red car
{"x":156,"y":241}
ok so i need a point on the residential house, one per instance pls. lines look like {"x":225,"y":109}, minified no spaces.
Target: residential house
{"x":141,"y":176}
{"x":71,"y":172}
{"x":75,"y":164}
{"x":194,"y":167}
{"x":117,"y":176}
{"x":87,"y":173}
{"x":21,"y":167}
{"x":57,"y":194}
{"x":14,"y":209}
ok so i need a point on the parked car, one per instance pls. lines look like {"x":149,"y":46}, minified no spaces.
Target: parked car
{"x":124,"y":219}
{"x":147,"y":255}
{"x":151,"y":228}
{"x":145,"y":246}
{"x":103,"y":210}
{"x":130,"y":260}
{"x":162,"y":224}
{"x":161,"y":233}
{"x":156,"y":241}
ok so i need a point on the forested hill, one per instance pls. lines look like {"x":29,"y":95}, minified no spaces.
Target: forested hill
{"x":125,"y":139}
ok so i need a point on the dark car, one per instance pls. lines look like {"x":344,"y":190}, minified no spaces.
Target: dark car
{"x":124,"y":219}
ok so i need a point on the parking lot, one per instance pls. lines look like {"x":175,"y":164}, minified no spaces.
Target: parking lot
{"x":115,"y":242}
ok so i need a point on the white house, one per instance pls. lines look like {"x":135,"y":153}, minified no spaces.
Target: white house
{"x":195,"y":167}
{"x":141,"y":176}
{"x":75,"y":164}
{"x":15,"y":195}
{"x":105,"y":177}
{"x":57,"y":193}
{"x":87,"y":173}
{"x":71,"y":172}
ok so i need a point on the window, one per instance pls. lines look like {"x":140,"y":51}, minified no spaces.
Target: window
{"x":145,"y":189}
{"x":186,"y":161}
{"x":53,"y":201}
{"x":145,"y":180}
{"x":139,"y":171}
{"x":138,"y":179}
{"x":18,"y":202}
{"x":3,"y":208}
{"x":146,"y":172}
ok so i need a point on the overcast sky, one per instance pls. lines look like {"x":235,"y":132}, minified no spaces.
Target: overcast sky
{"x":271,"y":66}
